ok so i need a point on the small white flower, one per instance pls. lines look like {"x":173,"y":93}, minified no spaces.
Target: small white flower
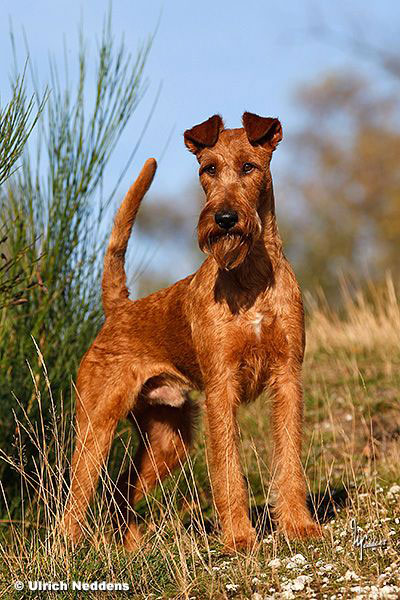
{"x":299,"y":583}
{"x":268,"y":540}
{"x":216,"y":569}
{"x":232,"y":587}
{"x":374,"y":592}
{"x":256,"y":596}
{"x":287,"y":595}
{"x":351,"y":576}
{"x":395,"y":489}
{"x":291,"y":565}
{"x":299,"y":559}
{"x":275,"y":563}
{"x":255,"y":581}
{"x":389,"y":591}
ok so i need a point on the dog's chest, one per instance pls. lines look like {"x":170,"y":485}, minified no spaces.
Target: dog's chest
{"x":258,"y":342}
{"x":256,"y":323}
{"x":257,"y":326}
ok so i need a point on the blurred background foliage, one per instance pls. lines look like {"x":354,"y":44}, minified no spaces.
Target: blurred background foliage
{"x":340,"y":193}
{"x":346,"y":181}
{"x":339,"y":205}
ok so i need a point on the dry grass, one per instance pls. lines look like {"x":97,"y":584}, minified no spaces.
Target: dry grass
{"x":370,"y":322}
{"x":352,"y":449}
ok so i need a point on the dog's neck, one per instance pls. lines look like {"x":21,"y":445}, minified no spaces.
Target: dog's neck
{"x":271,"y":239}
{"x":241,"y":286}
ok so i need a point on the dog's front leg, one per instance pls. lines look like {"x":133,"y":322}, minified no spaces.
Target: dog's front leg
{"x":229,"y":490}
{"x":291,"y":511}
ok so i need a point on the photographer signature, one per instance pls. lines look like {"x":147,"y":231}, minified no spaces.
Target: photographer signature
{"x":361,"y":540}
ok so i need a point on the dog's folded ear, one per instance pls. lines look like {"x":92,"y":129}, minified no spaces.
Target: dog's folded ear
{"x":265,"y":131}
{"x":203,"y":135}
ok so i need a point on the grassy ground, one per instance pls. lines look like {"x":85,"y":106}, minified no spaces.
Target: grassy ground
{"x":352,"y":460}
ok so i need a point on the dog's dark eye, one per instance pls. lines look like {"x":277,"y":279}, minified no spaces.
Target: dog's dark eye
{"x":247,"y":167}
{"x":210,"y":169}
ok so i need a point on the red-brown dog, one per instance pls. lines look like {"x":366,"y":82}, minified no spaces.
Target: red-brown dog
{"x":231,"y":329}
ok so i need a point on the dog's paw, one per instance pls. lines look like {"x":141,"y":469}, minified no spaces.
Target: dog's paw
{"x":71,"y":530}
{"x":133,"y":538}
{"x":301,"y":530}
{"x":241,"y":542}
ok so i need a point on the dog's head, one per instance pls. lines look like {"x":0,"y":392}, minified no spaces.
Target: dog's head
{"x":235,"y":175}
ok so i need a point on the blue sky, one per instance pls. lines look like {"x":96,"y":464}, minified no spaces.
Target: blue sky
{"x":210,"y":57}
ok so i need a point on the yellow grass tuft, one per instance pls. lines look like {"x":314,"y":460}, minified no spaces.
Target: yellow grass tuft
{"x":371,"y":320}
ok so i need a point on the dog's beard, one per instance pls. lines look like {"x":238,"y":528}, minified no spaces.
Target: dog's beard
{"x":228,"y":250}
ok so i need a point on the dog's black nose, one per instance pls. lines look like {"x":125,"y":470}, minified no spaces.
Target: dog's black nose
{"x":226,"y":219}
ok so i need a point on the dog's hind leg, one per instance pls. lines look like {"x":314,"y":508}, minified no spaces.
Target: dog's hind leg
{"x":166,"y":433}
{"x":96,"y":420}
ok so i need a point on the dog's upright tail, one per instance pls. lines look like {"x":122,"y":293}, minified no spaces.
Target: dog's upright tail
{"x":114,"y":276}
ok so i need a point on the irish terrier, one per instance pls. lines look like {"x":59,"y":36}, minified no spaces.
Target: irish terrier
{"x":231,"y":329}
